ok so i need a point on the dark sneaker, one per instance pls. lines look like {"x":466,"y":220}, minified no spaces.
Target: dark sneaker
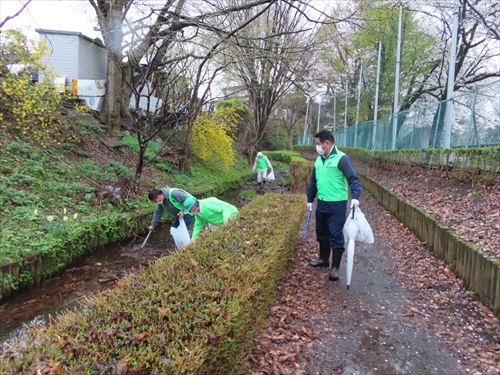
{"x":318,"y":263}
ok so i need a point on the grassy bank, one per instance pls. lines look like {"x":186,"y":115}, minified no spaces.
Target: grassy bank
{"x":196,"y":311}
{"x":53,"y":203}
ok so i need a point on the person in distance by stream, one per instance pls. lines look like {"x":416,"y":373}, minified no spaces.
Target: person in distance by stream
{"x":176,"y":202}
{"x":332,"y":177}
{"x":262,"y":163}
{"x":212,"y":211}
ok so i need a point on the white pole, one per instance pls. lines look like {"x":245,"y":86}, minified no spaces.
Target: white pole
{"x":357,"y":106}
{"x":334,"y":111}
{"x":396,"y":82}
{"x":305,"y":121}
{"x":319,"y":114}
{"x":345,"y":113}
{"x":375,"y":107}
{"x":449,"y":114}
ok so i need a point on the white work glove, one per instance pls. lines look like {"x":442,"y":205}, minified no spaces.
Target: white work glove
{"x":151,"y":228}
{"x":354,"y":203}
{"x":309,"y":207}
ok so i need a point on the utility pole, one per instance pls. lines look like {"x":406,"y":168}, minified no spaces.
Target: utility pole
{"x":449,"y":114}
{"x":396,"y":82}
{"x":375,"y":107}
{"x":357,"y":106}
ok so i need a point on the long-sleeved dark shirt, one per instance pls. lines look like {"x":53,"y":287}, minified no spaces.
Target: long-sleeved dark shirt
{"x":167,"y":207}
{"x":347,"y":168}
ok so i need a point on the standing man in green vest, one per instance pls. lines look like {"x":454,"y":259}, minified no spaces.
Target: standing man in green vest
{"x":332,"y":177}
{"x":211,"y":211}
{"x":176,"y":202}
{"x":262,"y":163}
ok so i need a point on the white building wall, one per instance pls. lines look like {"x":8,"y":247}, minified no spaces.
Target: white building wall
{"x":92,"y":60}
{"x":63,"y":54}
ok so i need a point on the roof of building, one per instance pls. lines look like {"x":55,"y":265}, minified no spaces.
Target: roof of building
{"x":96,"y":41}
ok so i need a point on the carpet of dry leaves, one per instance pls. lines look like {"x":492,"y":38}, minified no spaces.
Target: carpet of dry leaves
{"x":405,"y":313}
{"x":471,"y":210}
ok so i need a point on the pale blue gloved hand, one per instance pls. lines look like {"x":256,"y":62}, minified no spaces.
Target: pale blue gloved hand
{"x":309,"y":207}
{"x":354,"y":203}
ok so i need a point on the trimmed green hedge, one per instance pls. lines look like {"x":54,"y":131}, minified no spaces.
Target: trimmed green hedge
{"x":196,"y":311}
{"x":299,"y":168}
{"x":284,"y":156}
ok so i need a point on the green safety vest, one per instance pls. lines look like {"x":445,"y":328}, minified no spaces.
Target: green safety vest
{"x":212,"y":211}
{"x":261,"y":162}
{"x":330,"y":181}
{"x":184,"y":207}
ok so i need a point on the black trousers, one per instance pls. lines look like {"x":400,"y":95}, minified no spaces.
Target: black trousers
{"x":329,"y":225}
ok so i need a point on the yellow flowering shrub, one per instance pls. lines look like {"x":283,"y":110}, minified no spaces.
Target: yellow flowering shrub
{"x":212,"y":141}
{"x":29,"y":109}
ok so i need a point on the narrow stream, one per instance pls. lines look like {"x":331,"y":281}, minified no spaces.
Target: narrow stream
{"x":96,"y":271}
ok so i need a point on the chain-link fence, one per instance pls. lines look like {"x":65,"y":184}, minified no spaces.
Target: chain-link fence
{"x":476,"y":122}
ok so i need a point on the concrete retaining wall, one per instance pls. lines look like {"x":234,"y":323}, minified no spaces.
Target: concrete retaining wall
{"x":480,"y":271}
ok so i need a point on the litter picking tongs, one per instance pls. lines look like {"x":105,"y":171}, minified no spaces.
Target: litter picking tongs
{"x":308,"y":221}
{"x":146,"y":240}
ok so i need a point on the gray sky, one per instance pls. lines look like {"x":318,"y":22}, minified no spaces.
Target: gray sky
{"x":69,"y":15}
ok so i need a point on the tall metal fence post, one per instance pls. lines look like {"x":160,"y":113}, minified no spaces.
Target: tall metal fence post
{"x":306,"y":122}
{"x":396,"y":82}
{"x":319,"y":114}
{"x":345,"y":113}
{"x":375,"y":107}
{"x":357,"y":107}
{"x":449,"y":114}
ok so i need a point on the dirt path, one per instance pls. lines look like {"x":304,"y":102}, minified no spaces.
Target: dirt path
{"x":405,"y":313}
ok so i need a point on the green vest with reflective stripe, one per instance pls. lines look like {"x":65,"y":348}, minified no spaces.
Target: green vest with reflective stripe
{"x":330,"y":181}
{"x":178,"y":204}
{"x":261,"y":162}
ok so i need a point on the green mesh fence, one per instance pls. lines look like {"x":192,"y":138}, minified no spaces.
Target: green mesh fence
{"x":476,"y":123}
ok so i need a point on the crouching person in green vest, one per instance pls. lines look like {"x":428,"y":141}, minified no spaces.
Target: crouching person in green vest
{"x":176,"y":202}
{"x":211,"y":211}
{"x":262,"y":163}
{"x":332,"y":177}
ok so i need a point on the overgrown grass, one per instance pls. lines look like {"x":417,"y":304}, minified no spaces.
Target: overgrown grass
{"x":194,"y":312}
{"x":46,"y":202}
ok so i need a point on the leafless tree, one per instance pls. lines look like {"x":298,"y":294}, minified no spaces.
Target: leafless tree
{"x":130,"y":28}
{"x":272,"y":57}
{"x":8,"y":18}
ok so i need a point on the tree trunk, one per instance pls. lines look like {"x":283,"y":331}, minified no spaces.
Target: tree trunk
{"x":112,"y":25}
{"x":110,"y":114}
{"x":290,"y":139}
{"x":140,"y":161}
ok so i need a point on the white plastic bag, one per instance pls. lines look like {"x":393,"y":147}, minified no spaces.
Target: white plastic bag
{"x":356,"y":227}
{"x":180,"y":234}
{"x":271,"y":176}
